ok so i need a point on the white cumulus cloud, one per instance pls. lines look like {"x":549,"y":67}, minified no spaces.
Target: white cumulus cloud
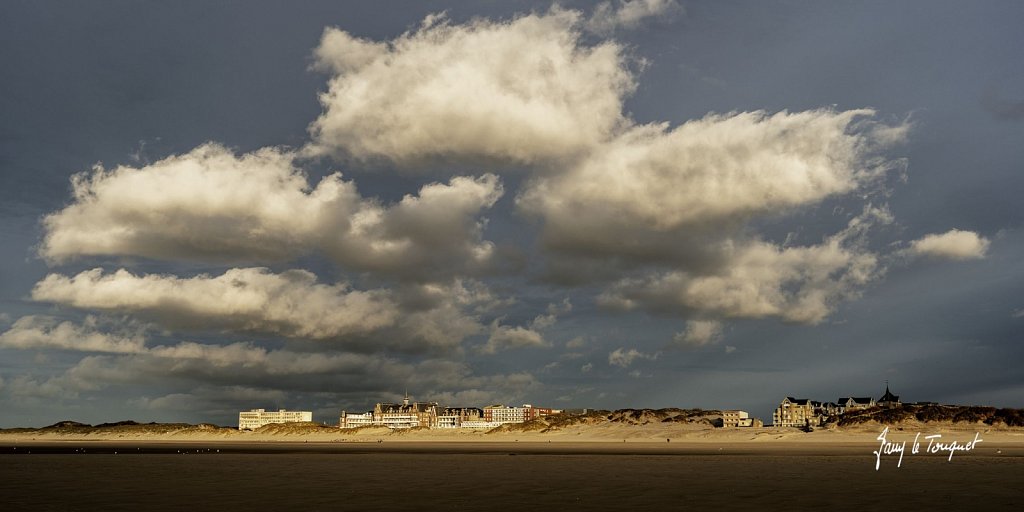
{"x":524,"y":91}
{"x":414,"y":317}
{"x":205,"y":204}
{"x":212,"y":205}
{"x":758,"y":280}
{"x":644,"y":189}
{"x":291,"y":303}
{"x":951,"y":245}
{"x":46,"y":332}
{"x":430,"y":235}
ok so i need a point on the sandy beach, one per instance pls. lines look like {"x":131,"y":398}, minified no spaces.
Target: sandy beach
{"x":607,"y":466}
{"x":612,"y":437}
{"x":375,"y":470}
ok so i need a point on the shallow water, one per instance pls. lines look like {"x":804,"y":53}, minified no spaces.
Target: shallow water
{"x":415,"y":477}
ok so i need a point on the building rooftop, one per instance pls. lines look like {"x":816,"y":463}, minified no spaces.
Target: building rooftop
{"x":888,"y":396}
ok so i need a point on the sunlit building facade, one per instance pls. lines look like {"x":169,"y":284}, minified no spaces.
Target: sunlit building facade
{"x":353,"y":420}
{"x":795,"y":412}
{"x":501,"y":414}
{"x":256,"y":418}
{"x":410,"y":414}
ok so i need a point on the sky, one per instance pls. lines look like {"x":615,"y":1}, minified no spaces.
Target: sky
{"x":209,"y":207}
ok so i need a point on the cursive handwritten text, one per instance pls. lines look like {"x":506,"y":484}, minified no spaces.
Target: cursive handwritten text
{"x":935,"y":445}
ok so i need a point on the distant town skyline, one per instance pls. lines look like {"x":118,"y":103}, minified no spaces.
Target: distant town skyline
{"x":584,"y":204}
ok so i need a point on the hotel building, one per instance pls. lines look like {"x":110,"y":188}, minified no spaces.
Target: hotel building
{"x":256,"y":418}
{"x":456,"y":417}
{"x":502,"y":414}
{"x":406,"y":414}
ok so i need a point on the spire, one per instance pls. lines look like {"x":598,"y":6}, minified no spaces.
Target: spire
{"x":405,"y":401}
{"x":888,"y":396}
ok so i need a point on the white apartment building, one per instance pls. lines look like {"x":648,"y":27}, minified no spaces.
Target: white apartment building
{"x":501,"y":414}
{"x":504,"y":414}
{"x":405,"y":419}
{"x":350,"y":420}
{"x":256,"y":418}
{"x":448,"y":421}
{"x":735,"y":418}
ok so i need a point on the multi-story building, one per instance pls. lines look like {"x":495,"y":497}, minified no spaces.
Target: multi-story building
{"x":352,"y":420}
{"x":410,"y":414}
{"x":504,"y":414}
{"x":501,"y":414}
{"x":533,"y":413}
{"x":795,"y":412}
{"x":454,"y":417}
{"x":733,"y":418}
{"x":406,"y":414}
{"x":800,"y":412}
{"x":385,"y":414}
{"x":256,"y":418}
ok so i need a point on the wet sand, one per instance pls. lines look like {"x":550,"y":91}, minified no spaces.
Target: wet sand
{"x":466,"y":476}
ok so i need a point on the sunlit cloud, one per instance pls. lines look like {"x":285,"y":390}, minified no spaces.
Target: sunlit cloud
{"x":210,"y":205}
{"x":951,"y":245}
{"x":524,"y":91}
{"x":699,"y":333}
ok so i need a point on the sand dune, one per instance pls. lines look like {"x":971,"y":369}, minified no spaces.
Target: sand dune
{"x":665,"y":426}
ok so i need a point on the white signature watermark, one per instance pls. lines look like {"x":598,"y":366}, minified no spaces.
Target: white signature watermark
{"x":935,"y":445}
